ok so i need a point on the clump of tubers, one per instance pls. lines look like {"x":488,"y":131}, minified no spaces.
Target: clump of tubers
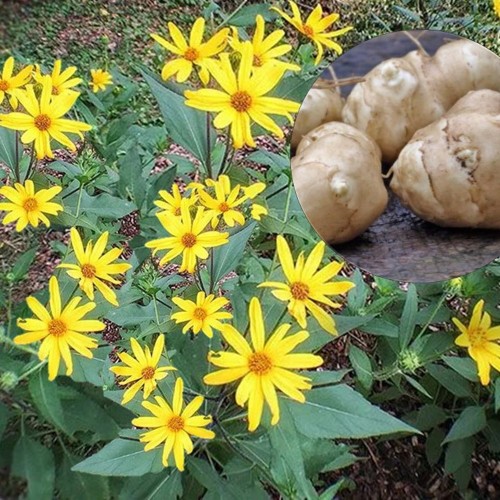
{"x":449,"y":173}
{"x":337,"y":176}
{"x":321,"y":105}
{"x":402,"y":95}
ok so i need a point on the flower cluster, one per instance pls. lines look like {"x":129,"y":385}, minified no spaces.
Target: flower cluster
{"x":243,"y":98}
{"x":194,"y":220}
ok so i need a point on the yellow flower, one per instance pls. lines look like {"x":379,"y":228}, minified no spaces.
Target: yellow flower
{"x":225,"y":202}
{"x":243,"y":97}
{"x":306,"y":285}
{"x":28,"y":206}
{"x":172,"y":202}
{"x":9,"y":83}
{"x":100,"y":79}
{"x":43,"y":120}
{"x":62,"y":329}
{"x":193,"y":53}
{"x":189,"y":237}
{"x":496,"y":6}
{"x":202,"y":315}
{"x":481,"y":341}
{"x":61,"y":82}
{"x":174,"y":424}
{"x":315,"y":27}
{"x":143,"y":370}
{"x":264,"y":48}
{"x":95,"y":267}
{"x":257,"y":211}
{"x":263,"y":367}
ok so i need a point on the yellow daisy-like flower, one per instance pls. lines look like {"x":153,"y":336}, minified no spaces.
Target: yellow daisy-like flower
{"x":27,"y":206}
{"x":189,"y":237}
{"x":306,"y":285}
{"x":202,"y":315}
{"x":264,"y":48}
{"x":243,"y":98}
{"x":171,"y":202}
{"x":60,"y":329}
{"x":44,"y":120}
{"x":315,"y":27}
{"x":481,"y":341}
{"x":193,"y":53}
{"x":10,"y":83}
{"x":496,"y":6}
{"x":100,"y":79}
{"x":225,"y":202}
{"x":95,"y":267}
{"x":173,"y":425}
{"x":143,"y":370}
{"x":263,"y":367}
{"x":61,"y":81}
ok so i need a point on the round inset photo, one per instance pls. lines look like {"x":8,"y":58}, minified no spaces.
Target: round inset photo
{"x":396,"y":156}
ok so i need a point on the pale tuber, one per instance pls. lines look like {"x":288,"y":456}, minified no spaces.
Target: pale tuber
{"x":337,"y":177}
{"x":449,"y":173}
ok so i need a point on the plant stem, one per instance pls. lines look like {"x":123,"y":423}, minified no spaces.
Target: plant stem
{"x":30,"y":166}
{"x":240,"y":6}
{"x":226,"y":152}
{"x":79,"y":201}
{"x":32,"y":370}
{"x":17,"y":173}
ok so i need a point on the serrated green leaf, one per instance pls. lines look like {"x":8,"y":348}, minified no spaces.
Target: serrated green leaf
{"x":35,"y":463}
{"x":225,"y":257}
{"x":46,"y":398}
{"x":463,"y":366}
{"x":186,"y":126}
{"x":8,"y":147}
{"x":122,"y":457}
{"x":408,"y":318}
{"x":471,"y":421}
{"x":167,"y":485}
{"x":4,"y":417}
{"x":433,"y":448}
{"x":450,"y":380}
{"x":23,"y":263}
{"x":340,"y":412}
{"x":362,"y":366}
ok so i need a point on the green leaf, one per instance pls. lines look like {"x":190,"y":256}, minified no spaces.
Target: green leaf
{"x":433,"y":448}
{"x":463,"y":366}
{"x":458,"y":453}
{"x":186,"y":126}
{"x":35,"y":463}
{"x":132,"y":184}
{"x":340,"y":412}
{"x":362,"y":366}
{"x":287,"y":462}
{"x":226,"y":257}
{"x":382,"y":327}
{"x":471,"y":421}
{"x":8,"y":148}
{"x":428,"y":417}
{"x":408,"y":318}
{"x":246,"y":16}
{"x":324,"y":377}
{"x":23,"y":263}
{"x":81,"y":486}
{"x":94,"y":370}
{"x":122,"y":457}
{"x":167,"y":485}
{"x":450,"y":380}
{"x":45,"y":395}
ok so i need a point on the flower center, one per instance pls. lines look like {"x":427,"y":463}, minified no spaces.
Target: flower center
{"x":177,"y":211}
{"x":148,"y":373}
{"x":88,"y":271}
{"x":224,"y":207}
{"x":30,"y":204}
{"x":43,"y":122}
{"x":200,"y":313}
{"x":191,"y":54}
{"x":175,"y":423}
{"x":57,"y":327}
{"x":299,"y":291}
{"x":241,"y":101}
{"x":476,"y":337}
{"x":55,"y":90}
{"x":307,"y":30}
{"x":188,"y":240}
{"x":4,"y":85}
{"x":257,"y":60}
{"x":259,"y":363}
